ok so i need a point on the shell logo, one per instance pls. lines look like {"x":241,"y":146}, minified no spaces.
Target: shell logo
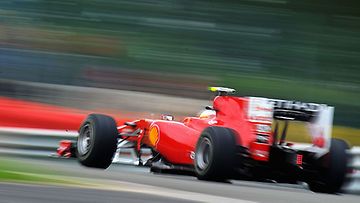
{"x":154,"y":135}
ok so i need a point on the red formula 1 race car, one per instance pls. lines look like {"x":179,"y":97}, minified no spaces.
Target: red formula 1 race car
{"x":236,"y":138}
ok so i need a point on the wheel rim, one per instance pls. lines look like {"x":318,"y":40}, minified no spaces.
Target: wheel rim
{"x":84,"y":140}
{"x":203,"y":154}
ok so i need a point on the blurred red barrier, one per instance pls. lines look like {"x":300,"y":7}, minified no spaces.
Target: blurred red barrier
{"x":26,"y":114}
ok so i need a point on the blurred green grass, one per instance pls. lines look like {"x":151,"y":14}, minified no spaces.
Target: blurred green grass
{"x":298,"y":133}
{"x":26,"y":172}
{"x":351,"y":135}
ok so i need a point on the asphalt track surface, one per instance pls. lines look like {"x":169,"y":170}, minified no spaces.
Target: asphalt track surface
{"x":125,"y":183}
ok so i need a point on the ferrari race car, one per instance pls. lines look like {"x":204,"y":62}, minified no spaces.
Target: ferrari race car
{"x":235,"y":138}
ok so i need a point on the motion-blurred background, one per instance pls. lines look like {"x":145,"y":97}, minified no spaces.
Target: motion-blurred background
{"x":307,"y":50}
{"x":63,"y":59}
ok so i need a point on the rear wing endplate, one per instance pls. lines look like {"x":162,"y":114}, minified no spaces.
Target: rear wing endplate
{"x":319,"y":117}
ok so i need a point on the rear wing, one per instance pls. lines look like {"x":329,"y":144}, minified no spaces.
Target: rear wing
{"x":319,"y":117}
{"x":296,"y":110}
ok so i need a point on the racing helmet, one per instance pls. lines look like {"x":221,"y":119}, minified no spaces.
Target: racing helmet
{"x":207,"y":114}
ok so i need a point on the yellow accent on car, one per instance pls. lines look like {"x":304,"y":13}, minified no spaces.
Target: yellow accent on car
{"x":222,"y":89}
{"x":213,"y":89}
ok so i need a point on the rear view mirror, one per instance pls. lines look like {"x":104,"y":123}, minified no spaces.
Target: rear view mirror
{"x":167,"y":117}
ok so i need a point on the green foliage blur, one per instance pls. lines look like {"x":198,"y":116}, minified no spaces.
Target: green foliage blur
{"x":293,"y":49}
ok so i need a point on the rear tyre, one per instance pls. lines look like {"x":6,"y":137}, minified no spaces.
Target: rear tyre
{"x":97,"y":141}
{"x":215,"y":154}
{"x":333,"y":169}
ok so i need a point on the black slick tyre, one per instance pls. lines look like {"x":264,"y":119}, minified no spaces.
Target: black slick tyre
{"x":97,"y":141}
{"x":215,"y":154}
{"x":332,"y":170}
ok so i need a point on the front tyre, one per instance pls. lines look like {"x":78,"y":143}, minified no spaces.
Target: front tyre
{"x":215,"y":153}
{"x":333,"y":169}
{"x":97,"y":141}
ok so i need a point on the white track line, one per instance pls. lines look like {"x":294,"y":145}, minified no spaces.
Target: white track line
{"x":170,"y":193}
